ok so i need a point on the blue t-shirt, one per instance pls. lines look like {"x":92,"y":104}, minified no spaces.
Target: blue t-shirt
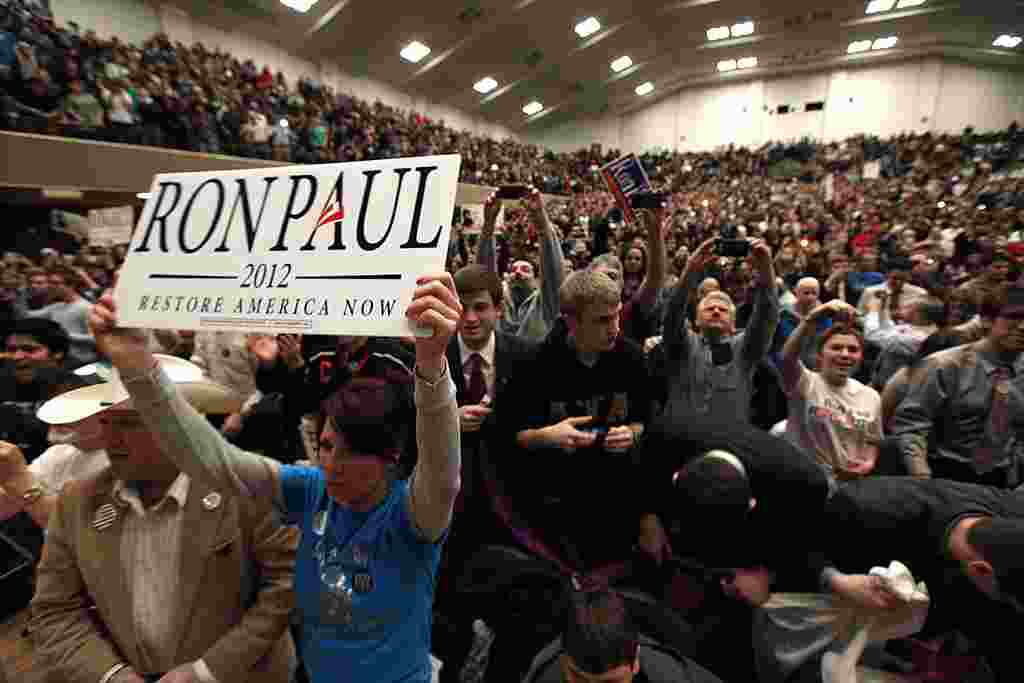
{"x":364,"y":585}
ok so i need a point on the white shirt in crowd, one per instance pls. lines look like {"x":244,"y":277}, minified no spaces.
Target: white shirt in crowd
{"x":840,"y":426}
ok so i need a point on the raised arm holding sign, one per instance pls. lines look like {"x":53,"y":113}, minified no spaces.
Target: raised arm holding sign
{"x":328,"y":249}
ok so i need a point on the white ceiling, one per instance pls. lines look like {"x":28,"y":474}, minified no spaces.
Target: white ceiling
{"x":530,"y":48}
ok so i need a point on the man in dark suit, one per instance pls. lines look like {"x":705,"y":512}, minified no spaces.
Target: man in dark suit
{"x":480,"y":360}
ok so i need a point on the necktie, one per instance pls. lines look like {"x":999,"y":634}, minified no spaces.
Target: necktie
{"x":894,"y":307}
{"x":476,"y":388}
{"x":998,"y":422}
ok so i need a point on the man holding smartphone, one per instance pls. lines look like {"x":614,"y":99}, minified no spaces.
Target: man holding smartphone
{"x":531,"y":308}
{"x":711,"y":371}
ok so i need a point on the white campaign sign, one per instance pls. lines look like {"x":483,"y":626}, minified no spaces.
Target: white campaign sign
{"x":322,"y":249}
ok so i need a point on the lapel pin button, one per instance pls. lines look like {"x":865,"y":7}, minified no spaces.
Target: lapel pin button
{"x":212,"y":501}
{"x":105,"y":517}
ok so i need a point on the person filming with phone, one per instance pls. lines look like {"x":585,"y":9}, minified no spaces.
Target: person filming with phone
{"x":711,"y":371}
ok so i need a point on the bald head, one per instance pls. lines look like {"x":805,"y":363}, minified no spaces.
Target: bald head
{"x":807,"y":293}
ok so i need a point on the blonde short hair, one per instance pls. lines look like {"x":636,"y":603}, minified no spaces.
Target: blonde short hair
{"x":586,"y":287}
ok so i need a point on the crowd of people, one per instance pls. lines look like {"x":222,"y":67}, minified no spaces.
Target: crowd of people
{"x":666,"y":449}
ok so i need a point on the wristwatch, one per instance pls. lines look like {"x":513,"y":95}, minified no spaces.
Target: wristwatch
{"x":32,"y":494}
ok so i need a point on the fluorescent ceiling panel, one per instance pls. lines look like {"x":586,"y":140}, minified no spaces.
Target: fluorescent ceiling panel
{"x":588,"y":27}
{"x":299,"y":5}
{"x":533,"y":108}
{"x":744,"y":28}
{"x":876,"y":6}
{"x":485,"y":85}
{"x":645,"y":88}
{"x":414,"y":51}
{"x":718,"y":33}
{"x":622,"y":63}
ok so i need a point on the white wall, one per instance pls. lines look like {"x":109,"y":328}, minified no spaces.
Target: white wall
{"x":135,"y":21}
{"x":929,"y":94}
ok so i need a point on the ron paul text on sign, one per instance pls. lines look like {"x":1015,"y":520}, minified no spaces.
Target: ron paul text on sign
{"x":303,"y":246}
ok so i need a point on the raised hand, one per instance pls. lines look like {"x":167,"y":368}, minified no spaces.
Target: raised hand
{"x":12,"y":463}
{"x":128,"y":348}
{"x":435,"y":305}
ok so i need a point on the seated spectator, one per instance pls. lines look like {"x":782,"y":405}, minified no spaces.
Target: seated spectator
{"x":70,"y":310}
{"x":960,"y":419}
{"x":34,"y":374}
{"x":806,"y":300}
{"x":256,"y":135}
{"x":601,"y":644}
{"x":640,"y":296}
{"x":38,"y":294}
{"x":832,"y":416}
{"x":894,"y":291}
{"x":582,"y":426}
{"x":897,"y":344}
{"x":82,"y":109}
{"x":899,"y":384}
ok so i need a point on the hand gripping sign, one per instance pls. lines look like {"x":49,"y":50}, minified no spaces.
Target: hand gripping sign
{"x":323,"y":249}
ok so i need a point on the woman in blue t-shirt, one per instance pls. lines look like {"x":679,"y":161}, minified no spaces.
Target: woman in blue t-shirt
{"x":364,"y":577}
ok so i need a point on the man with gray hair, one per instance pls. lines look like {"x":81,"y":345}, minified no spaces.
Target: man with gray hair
{"x":898,"y":344}
{"x":579,"y":412}
{"x":711,"y":371}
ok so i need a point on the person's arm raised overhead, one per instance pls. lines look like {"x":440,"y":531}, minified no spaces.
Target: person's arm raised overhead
{"x":676,"y":335}
{"x":190,"y":441}
{"x":435,"y":481}
{"x":552,"y":267}
{"x":757,"y":340}
{"x":658,"y":266}
{"x":486,"y":252}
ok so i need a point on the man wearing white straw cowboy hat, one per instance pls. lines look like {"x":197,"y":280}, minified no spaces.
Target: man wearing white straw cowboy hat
{"x":189,"y":585}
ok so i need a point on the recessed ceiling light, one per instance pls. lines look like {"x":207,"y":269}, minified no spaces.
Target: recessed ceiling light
{"x":485,"y":85}
{"x":884,"y":43}
{"x":532,"y":108}
{"x":744,"y":28}
{"x":645,"y":88}
{"x":414,"y":51}
{"x":727,"y":65}
{"x":1007,"y":41}
{"x":622,"y":63}
{"x":299,"y":5}
{"x":907,"y":4}
{"x":876,"y":6}
{"x":718,"y":33}
{"x":588,"y":27}
{"x":747,"y":63}
{"x":859,"y":46}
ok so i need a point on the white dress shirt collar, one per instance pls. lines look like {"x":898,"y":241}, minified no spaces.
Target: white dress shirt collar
{"x":487,"y":352}
{"x":127,"y":494}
